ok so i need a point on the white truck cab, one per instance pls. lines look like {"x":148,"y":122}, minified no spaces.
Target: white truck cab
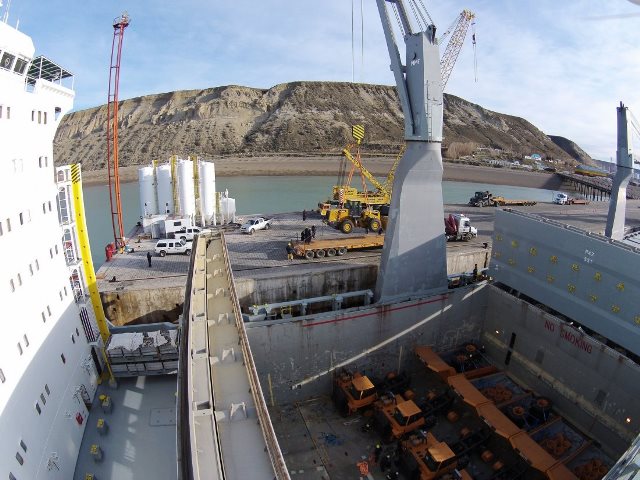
{"x":169,"y":246}
{"x":560,"y":198}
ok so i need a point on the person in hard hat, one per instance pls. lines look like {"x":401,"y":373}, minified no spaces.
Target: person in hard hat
{"x":289,"y":251}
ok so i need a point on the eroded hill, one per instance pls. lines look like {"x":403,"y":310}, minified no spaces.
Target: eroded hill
{"x":293,"y":118}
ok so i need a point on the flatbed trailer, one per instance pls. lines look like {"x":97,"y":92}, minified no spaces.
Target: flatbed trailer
{"x":330,"y":247}
{"x":501,"y":202}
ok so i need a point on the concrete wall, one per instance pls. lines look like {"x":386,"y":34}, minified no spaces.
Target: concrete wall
{"x":374,"y":339}
{"x":593,"y":386}
{"x":305,"y":285}
{"x":130,"y":307}
{"x":347,"y":279}
{"x":465,"y":261}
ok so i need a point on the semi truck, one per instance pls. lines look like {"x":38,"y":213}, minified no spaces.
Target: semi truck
{"x":458,"y":227}
{"x":563,"y":199}
{"x":487,"y":199}
{"x":331,"y":247}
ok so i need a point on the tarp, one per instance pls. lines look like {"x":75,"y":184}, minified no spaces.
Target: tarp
{"x":469,"y":393}
{"x":498,"y":421}
{"x":433,"y":361}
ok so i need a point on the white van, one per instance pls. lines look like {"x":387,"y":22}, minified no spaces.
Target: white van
{"x":168,"y":245}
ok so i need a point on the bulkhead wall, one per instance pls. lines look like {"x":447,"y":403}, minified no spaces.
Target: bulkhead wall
{"x":374,"y":340}
{"x":593,"y":386}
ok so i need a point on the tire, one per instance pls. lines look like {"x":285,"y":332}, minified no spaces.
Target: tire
{"x":331,"y":252}
{"x":374,"y":225}
{"x":267,"y":226}
{"x":320,"y":253}
{"x":251,"y":231}
{"x":188,"y":252}
{"x":347,"y":226}
{"x":341,"y":251}
{"x":162,"y":253}
{"x":183,"y":238}
{"x":308,"y":254}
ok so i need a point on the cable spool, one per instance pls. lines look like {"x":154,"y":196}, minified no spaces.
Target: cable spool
{"x":518,"y":411}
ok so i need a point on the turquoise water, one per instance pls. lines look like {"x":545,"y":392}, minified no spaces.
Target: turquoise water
{"x":262,"y":195}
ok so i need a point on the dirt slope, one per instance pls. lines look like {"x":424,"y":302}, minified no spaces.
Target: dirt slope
{"x":298,"y":118}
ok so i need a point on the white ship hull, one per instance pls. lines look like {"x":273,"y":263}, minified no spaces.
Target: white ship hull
{"x":47,"y":370}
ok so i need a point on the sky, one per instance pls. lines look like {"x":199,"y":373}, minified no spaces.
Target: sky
{"x":564,"y":66}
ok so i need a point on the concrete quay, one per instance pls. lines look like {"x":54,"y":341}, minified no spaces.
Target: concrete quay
{"x":132,"y":292}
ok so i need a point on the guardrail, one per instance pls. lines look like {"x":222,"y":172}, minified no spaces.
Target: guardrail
{"x":273,"y":447}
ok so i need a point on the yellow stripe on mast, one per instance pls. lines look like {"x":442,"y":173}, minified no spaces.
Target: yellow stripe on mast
{"x":85,"y":253}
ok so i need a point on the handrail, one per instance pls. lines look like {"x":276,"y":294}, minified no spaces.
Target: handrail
{"x":273,"y":448}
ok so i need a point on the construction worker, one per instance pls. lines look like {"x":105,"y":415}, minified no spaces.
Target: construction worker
{"x":475,"y":272}
{"x":313,"y":231}
{"x":149,"y":258}
{"x":304,"y":215}
{"x":377,"y":453}
{"x":289,"y":251}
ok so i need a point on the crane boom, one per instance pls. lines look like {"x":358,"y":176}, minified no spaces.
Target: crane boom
{"x":454,"y":46}
{"x":356,"y":161}
{"x":119,"y":24}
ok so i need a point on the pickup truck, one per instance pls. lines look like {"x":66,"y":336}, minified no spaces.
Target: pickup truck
{"x":187,"y":233}
{"x":169,"y":245}
{"x":253,"y":224}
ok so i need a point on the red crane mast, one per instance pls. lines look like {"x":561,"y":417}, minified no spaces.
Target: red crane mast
{"x":119,"y":25}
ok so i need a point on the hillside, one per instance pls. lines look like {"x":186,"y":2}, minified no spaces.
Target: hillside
{"x":293,"y":118}
{"x":572,"y":149}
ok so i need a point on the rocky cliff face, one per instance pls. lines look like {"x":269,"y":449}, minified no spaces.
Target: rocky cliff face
{"x":573,"y":150}
{"x":299,"y":117}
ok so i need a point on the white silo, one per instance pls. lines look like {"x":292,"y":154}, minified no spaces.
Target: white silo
{"x":207,"y":191}
{"x":227,"y":209}
{"x":165,"y":189}
{"x":147,"y":188}
{"x":187,"y":189}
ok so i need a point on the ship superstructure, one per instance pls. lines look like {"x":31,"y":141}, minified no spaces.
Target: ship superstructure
{"x":48,"y":373}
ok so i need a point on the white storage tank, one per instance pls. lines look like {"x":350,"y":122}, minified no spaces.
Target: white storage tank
{"x":186,"y":188}
{"x":207,"y":176}
{"x":227,"y":210}
{"x":165,"y":189}
{"x":147,"y":188}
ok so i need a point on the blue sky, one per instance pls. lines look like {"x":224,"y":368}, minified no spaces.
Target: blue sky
{"x":560,"y":65}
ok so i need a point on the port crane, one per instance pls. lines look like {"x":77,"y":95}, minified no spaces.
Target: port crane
{"x":458,"y":31}
{"x":414,"y":255}
{"x":119,"y":26}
